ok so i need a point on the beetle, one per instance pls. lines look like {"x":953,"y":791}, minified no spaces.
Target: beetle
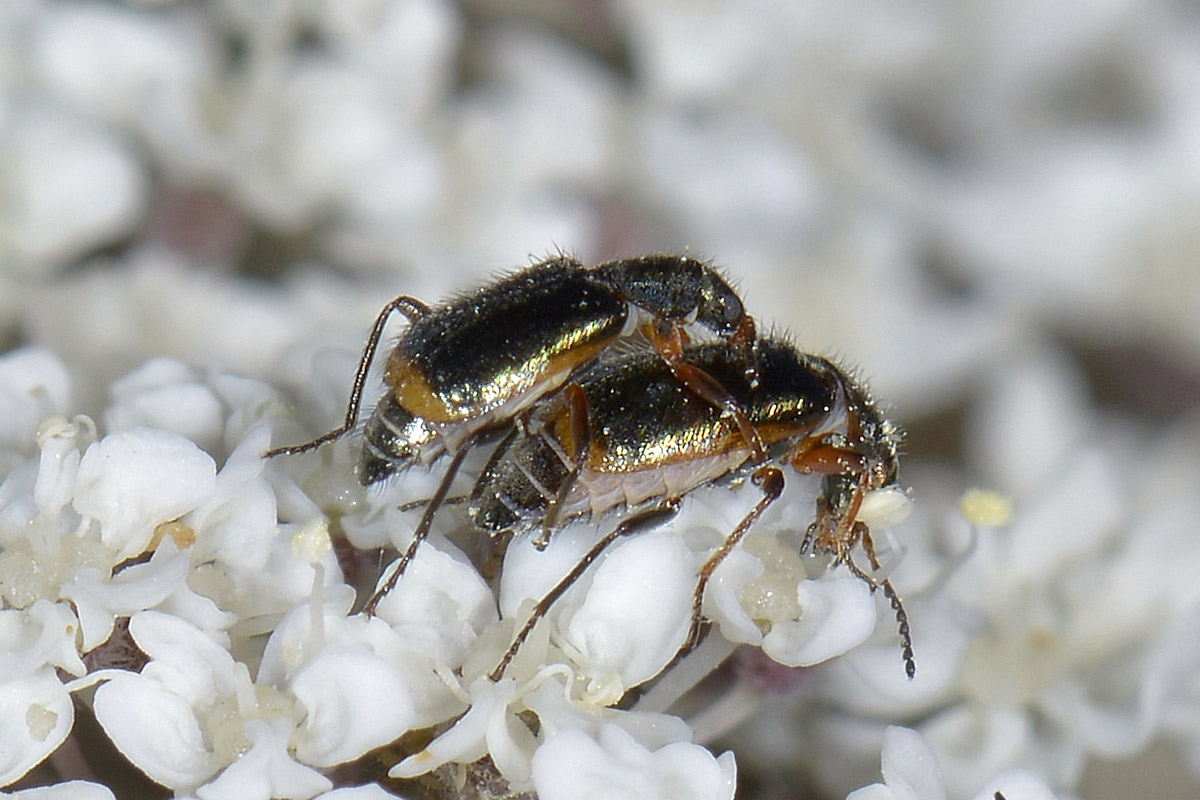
{"x":466,"y":369}
{"x":625,"y":433}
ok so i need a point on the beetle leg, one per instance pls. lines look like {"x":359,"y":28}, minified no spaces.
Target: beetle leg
{"x":769,"y":480}
{"x":836,"y":530}
{"x":668,"y":340}
{"x":452,"y":500}
{"x":580,"y":435}
{"x":412,"y":309}
{"x":421,"y":532}
{"x":832,"y":530}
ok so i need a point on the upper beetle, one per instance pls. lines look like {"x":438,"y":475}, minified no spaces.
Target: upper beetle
{"x":466,"y":368}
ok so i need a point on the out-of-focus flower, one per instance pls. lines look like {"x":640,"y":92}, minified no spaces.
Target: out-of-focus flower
{"x":910,"y":771}
{"x":70,"y":187}
{"x":1054,"y":659}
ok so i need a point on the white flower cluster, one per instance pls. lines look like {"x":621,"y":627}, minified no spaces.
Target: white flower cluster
{"x":967,"y":200}
{"x":238,"y":671}
{"x":1061,"y":634}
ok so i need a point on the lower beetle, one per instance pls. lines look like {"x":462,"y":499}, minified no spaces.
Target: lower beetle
{"x":627,"y":433}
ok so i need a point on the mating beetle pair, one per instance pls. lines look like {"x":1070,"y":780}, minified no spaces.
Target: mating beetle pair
{"x":592,"y":427}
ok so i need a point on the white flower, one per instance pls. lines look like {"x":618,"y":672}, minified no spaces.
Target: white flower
{"x":633,"y":616}
{"x":441,"y":602}
{"x":70,"y":187}
{"x":490,"y":727}
{"x":807,"y":621}
{"x":911,"y":772}
{"x":656,"y":745}
{"x":36,"y":712}
{"x":34,"y":384}
{"x":71,"y":790}
{"x":1036,"y":652}
{"x":154,"y":717}
{"x":192,"y":711}
{"x":267,"y":770}
{"x":121,"y":65}
{"x":342,"y":675}
{"x":131,"y":481}
{"x":344,"y":670}
{"x":166,"y":395}
{"x":236,"y":524}
{"x":100,"y":599}
{"x":572,"y":764}
{"x":51,"y":552}
{"x":156,"y":728}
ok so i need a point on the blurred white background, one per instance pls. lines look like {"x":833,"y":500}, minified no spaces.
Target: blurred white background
{"x":991,"y":208}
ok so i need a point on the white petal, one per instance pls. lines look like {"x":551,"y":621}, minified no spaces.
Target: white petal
{"x":71,"y":186}
{"x":636,"y":612}
{"x":1028,"y":420}
{"x":184,"y":657}
{"x":440,"y":598}
{"x":133,"y":589}
{"x":838,"y":613}
{"x":466,"y":740}
{"x":574,"y":766}
{"x":17,"y":512}
{"x":164,"y":394}
{"x":356,"y":702}
{"x":58,"y":467}
{"x":689,"y":770}
{"x":1084,"y":506}
{"x":237,"y":522}
{"x":197,"y":610}
{"x":71,"y":790}
{"x":31,"y":638}
{"x":722,"y":599}
{"x":529,"y":573}
{"x":909,"y":766}
{"x":370,"y":791}
{"x":156,"y":729}
{"x":870,"y":679}
{"x":975,"y":742}
{"x":115,"y":60}
{"x":130,"y":481}
{"x":36,"y":714}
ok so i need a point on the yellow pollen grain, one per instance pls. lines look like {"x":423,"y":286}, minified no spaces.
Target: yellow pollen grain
{"x":985,"y":508}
